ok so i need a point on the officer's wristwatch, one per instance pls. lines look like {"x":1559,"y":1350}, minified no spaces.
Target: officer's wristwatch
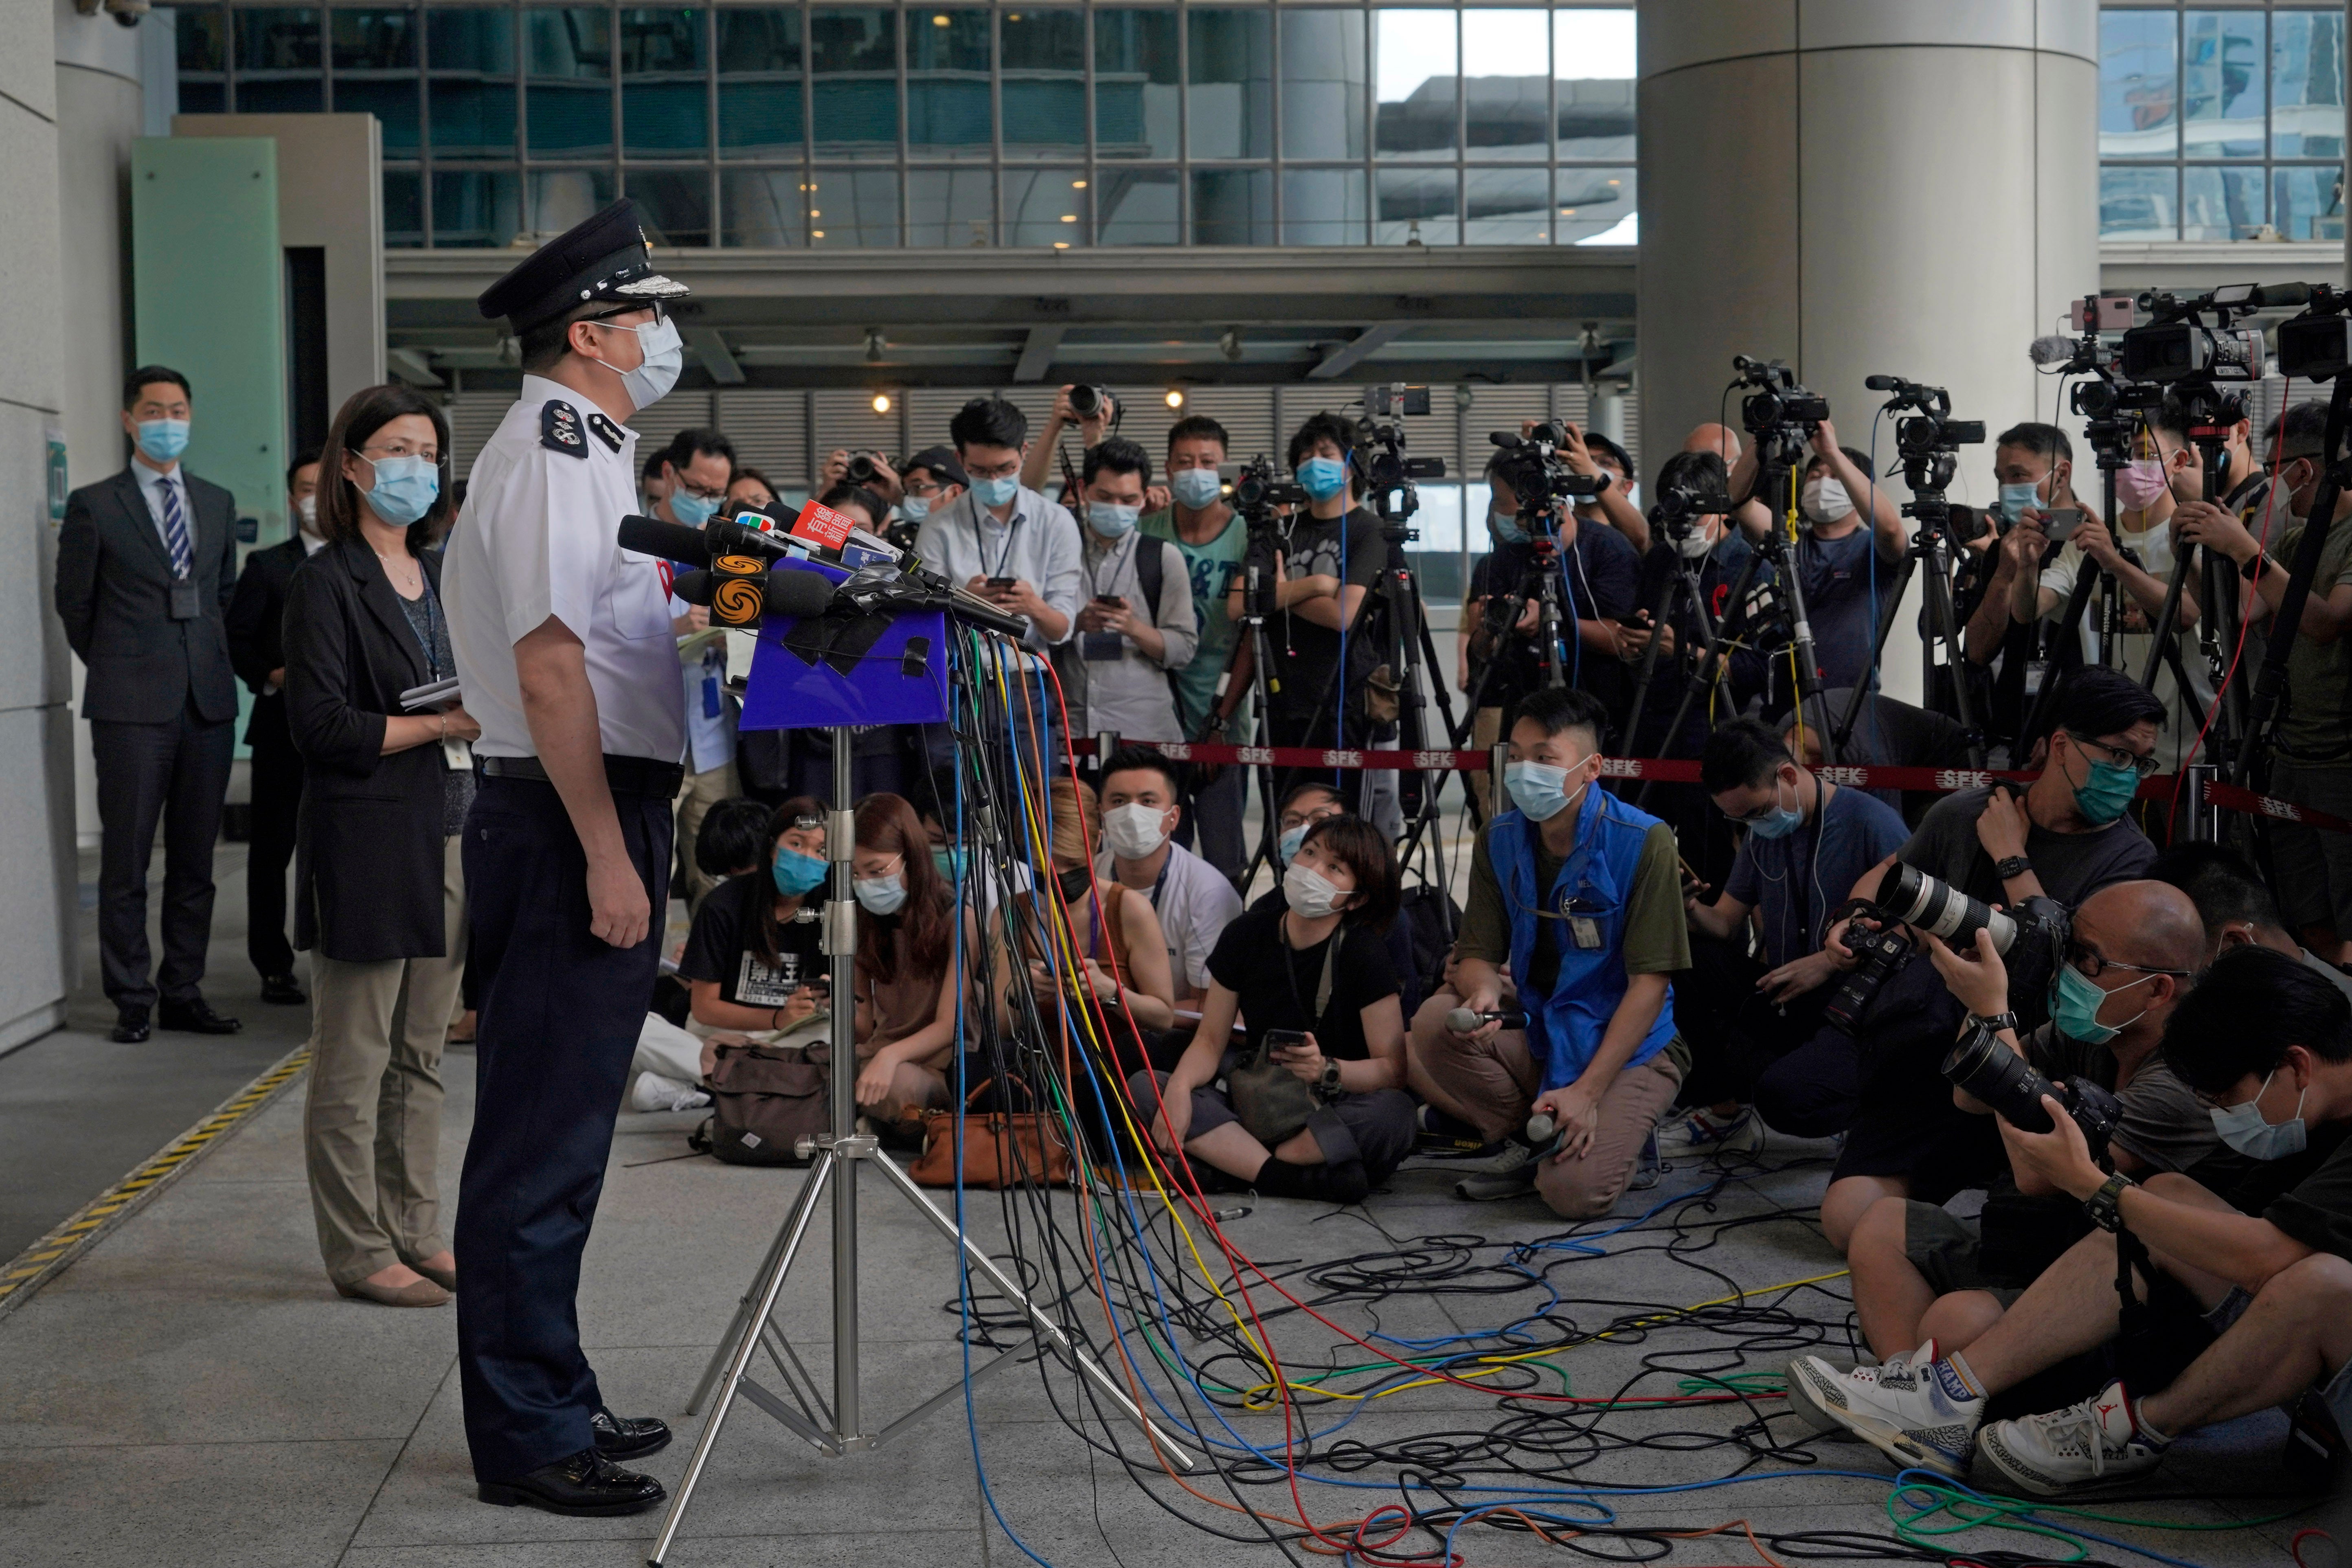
{"x":2015,"y":865}
{"x":2106,"y":1205}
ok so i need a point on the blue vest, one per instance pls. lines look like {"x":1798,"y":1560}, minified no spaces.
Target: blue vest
{"x":1564,"y":1028}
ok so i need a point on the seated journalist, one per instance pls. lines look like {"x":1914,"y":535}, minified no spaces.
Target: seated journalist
{"x":2258,"y":1268}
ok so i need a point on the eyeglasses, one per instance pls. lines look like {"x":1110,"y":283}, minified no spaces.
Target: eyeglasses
{"x":1002,"y":471}
{"x":2090,"y":963}
{"x":2144,"y":766}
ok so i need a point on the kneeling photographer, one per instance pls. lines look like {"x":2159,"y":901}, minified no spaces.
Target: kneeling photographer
{"x":2242,"y":1290}
{"x":1919,"y":1270}
{"x":2061,"y":839}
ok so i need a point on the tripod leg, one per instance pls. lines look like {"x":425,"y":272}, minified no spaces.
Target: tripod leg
{"x":739,"y":1354}
{"x":742,"y":1310}
{"x":1175,"y":1452}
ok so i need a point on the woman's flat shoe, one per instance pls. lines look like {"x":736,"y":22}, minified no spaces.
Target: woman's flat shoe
{"x":445,"y":1278}
{"x":420,"y":1293}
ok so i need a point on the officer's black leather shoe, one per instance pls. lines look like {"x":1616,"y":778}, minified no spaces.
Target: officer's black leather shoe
{"x":585,"y":1485}
{"x":130,"y":1027}
{"x":279,"y":991}
{"x":620,"y":1437}
{"x":194,"y":1017}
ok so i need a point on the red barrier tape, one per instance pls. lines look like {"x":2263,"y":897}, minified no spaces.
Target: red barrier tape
{"x":2230,"y":797}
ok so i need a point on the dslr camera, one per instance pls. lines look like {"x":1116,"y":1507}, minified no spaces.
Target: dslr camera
{"x":2029,"y":939}
{"x":861,"y":470}
{"x":2014,"y":1087}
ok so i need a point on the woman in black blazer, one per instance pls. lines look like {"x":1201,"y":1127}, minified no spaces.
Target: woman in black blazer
{"x":380,"y":898}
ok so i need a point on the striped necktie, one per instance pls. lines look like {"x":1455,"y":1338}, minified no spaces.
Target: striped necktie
{"x":175,"y":529}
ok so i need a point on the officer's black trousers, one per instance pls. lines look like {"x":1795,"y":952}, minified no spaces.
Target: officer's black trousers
{"x":560,"y":1015}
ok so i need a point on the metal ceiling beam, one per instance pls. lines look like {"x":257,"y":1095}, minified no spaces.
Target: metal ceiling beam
{"x":413,"y":366}
{"x":1354,"y":352}
{"x":716,"y":357}
{"x":1037,"y":353}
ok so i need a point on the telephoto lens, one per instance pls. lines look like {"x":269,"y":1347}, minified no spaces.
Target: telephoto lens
{"x":1915,"y":899}
{"x":1988,"y":1069}
{"x":1089,"y":402}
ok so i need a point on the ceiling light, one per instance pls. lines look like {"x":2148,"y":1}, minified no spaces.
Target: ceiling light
{"x":1612,"y":182}
{"x":1175,"y":397}
{"x":1567,"y":212}
{"x":818,"y":234}
{"x":881,"y":403}
{"x":814,"y":213}
{"x":875,"y":343}
{"x":1078,"y":184}
{"x":1061,"y":244}
{"x":941,"y":20}
{"x":1070,"y":217}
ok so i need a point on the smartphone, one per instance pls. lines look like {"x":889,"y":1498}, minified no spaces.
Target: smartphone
{"x":1285,"y":1040}
{"x":1001,"y":582}
{"x":1112,"y":600}
{"x":2060,"y":524}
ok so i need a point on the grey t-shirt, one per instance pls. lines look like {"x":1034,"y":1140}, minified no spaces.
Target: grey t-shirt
{"x":2162,"y":1126}
{"x":2070,"y":865}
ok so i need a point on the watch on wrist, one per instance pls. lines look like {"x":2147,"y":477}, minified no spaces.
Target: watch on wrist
{"x":2106,"y":1205}
{"x":1994,"y":1022}
{"x":2014,"y":866}
{"x":1327,"y":1085}
{"x":2254,"y":565}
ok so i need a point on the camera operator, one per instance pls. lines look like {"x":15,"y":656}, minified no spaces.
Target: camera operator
{"x":1718,"y":553}
{"x":2126,"y":965}
{"x":1588,"y":452}
{"x":1727,"y":444}
{"x":1807,"y":840}
{"x":1596,"y":576}
{"x":2311,"y":758}
{"x":1840,"y":564}
{"x":2267,"y":1047}
{"x":2184,"y":464}
{"x":1577,"y":892}
{"x":1037,"y":463}
{"x":2237,"y":908}
{"x":2063,"y":839}
{"x":883,"y":481}
{"x":933,"y":479}
{"x":1136,"y":628}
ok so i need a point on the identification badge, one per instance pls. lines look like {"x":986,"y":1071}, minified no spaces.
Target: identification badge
{"x":1586,"y":931}
{"x":458,"y":756}
{"x":184,"y":601}
{"x":1102,"y":646}
{"x":710,"y":709}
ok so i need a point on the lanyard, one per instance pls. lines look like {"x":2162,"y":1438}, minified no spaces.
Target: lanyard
{"x":1003,"y":556}
{"x":1126,"y":547}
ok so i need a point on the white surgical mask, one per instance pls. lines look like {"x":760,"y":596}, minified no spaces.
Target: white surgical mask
{"x":1135,"y":831}
{"x":2241,"y":1127}
{"x":1311,"y":894}
{"x":665,"y":356}
{"x":1825,"y":501}
{"x":1693,"y":545}
{"x":306,"y":509}
{"x":880,"y":895}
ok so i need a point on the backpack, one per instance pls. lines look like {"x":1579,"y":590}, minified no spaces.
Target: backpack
{"x":764,"y":1101}
{"x":1428,"y":919}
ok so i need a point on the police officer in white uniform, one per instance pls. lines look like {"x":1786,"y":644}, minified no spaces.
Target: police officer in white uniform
{"x":566,"y":656}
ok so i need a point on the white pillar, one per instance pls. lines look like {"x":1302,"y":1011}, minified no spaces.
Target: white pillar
{"x":1864,"y":185}
{"x":1605,"y":414}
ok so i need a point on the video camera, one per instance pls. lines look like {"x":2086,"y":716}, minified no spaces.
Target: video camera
{"x":1675,"y":511}
{"x":2318,"y":344}
{"x":1928,"y":440}
{"x":1259,"y":488}
{"x":2175,"y":345}
{"x":1531,"y":465}
{"x":1780,"y":402}
{"x":1387,"y":473}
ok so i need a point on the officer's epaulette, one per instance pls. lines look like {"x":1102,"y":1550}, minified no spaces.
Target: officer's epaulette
{"x":606,"y":431}
{"x":558,"y":429}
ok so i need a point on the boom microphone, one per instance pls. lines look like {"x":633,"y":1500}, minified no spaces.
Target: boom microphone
{"x":2284,"y":294}
{"x":742,"y":601}
{"x":2053,"y":350}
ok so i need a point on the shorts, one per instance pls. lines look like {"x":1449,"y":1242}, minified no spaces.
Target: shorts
{"x":1935,"y":1146}
{"x":1945,"y":1248}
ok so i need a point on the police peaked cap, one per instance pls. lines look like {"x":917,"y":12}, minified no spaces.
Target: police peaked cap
{"x":607,"y":258}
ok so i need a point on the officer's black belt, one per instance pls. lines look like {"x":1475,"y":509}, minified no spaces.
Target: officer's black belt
{"x":626,"y":776}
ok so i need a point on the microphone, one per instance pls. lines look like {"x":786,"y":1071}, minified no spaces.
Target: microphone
{"x":2284,"y":294}
{"x":742,"y":601}
{"x":669,"y":541}
{"x":1543,"y":1135}
{"x":2051,"y":350}
{"x":1462,"y":1020}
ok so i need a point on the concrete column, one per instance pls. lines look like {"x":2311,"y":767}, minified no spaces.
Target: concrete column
{"x":1864,"y":185}
{"x":1605,"y":415}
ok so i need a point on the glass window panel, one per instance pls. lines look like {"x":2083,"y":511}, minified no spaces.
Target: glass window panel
{"x":393,"y":103}
{"x":2222,"y":80}
{"x":1232,"y":207}
{"x":2139,"y":203}
{"x":271,"y":39}
{"x":372,"y":40}
{"x":474,"y":207}
{"x":1230,"y":92}
{"x":1045,"y":206}
{"x":855,"y":55}
{"x":1506,"y":92}
{"x":280,"y":95}
{"x":1324,"y":69}
{"x":472,"y":119}
{"x":1437,"y":560}
{"x":470,"y":89}
{"x":471,"y":40}
{"x":1511,"y":206}
{"x":2220,"y":204}
{"x":1592,"y":206}
{"x":1136,"y":206}
{"x":2308,"y":204}
{"x":570,"y":64}
{"x":763,"y":208}
{"x":2138,"y":116}
{"x":563,"y":198}
{"x":1135,"y":85}
{"x":676,"y":203}
{"x":665,"y":91}
{"x":1324,"y":206}
{"x":2306,"y":83}
{"x":851,"y":209}
{"x":1416,"y":203}
{"x":403,"y":209}
{"x":1414,"y":73}
{"x":1593,"y":58}
{"x":201,"y":36}
{"x":759,"y":84}
{"x":204,"y":96}
{"x":947,"y":85}
{"x":950,"y":208}
{"x":1045,"y":81}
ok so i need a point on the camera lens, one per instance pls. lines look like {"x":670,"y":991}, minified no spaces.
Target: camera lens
{"x":1087,"y":402}
{"x":1915,"y":899}
{"x":860,"y":469}
{"x":2001,"y":1079}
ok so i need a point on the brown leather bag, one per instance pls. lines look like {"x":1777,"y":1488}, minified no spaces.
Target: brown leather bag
{"x":1001,"y":1147}
{"x":764,"y":1100}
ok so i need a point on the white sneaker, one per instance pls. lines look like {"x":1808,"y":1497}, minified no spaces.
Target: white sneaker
{"x":1812,"y":1408}
{"x":1920,"y":1413}
{"x":1702,"y":1132}
{"x":652,"y":1091}
{"x":2100,"y":1439}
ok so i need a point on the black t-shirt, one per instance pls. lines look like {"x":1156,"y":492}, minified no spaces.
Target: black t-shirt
{"x":2308,"y":1195}
{"x":1305,"y":654}
{"x":724,"y":946}
{"x":1599,"y":578}
{"x":1840,"y":577}
{"x":1277,"y":986}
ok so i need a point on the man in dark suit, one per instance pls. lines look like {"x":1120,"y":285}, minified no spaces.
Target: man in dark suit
{"x":146,"y":564}
{"x":256,"y":648}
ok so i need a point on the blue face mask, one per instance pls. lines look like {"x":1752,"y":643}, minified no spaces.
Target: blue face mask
{"x":2074,"y":1002}
{"x":163,"y":439}
{"x":1778,"y":823}
{"x":1110,"y":519}
{"x":2241,"y":1127}
{"x":2015,"y":498}
{"x":949,"y":864}
{"x":1506,"y":528}
{"x":1323,"y":477}
{"x":692,"y":510}
{"x":1195,"y":488}
{"x":405,"y":489}
{"x":998,"y":491}
{"x":796,"y":873}
{"x":1540,"y":789}
{"x":914,"y":509}
{"x":2109,"y":790}
{"x":880,"y":895}
{"x":1291,"y":839}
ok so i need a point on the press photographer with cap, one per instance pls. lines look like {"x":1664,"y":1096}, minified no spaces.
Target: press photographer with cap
{"x":566,"y":656}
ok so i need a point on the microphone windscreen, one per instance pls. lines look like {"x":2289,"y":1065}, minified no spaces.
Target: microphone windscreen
{"x":1463,"y":1021}
{"x":1540,"y":1129}
{"x":2051,"y":350}
{"x":2284,"y":294}
{"x":669,"y":541}
{"x":795,"y":593}
{"x":799,"y":593}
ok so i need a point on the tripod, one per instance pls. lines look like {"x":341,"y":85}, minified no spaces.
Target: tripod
{"x":839,"y":1428}
{"x":2211,"y":415}
{"x":1777,"y":448}
{"x":1683,"y":584}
